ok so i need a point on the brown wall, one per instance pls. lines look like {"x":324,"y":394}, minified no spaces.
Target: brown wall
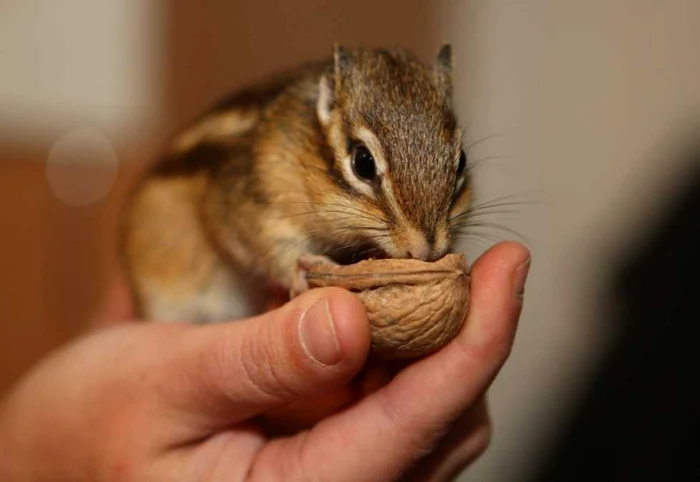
{"x":55,"y":261}
{"x":215,"y":45}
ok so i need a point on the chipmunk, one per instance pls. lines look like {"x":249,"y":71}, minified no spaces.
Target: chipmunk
{"x":352,"y":157}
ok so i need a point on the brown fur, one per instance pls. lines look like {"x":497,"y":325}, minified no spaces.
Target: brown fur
{"x":233,"y":205}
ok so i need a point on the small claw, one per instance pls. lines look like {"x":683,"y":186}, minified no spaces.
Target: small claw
{"x":304,"y":263}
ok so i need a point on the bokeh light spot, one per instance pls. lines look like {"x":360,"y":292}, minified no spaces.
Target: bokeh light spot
{"x":81,"y":167}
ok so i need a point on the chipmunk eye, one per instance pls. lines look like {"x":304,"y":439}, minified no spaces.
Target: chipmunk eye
{"x":462,"y":164}
{"x":363,"y":164}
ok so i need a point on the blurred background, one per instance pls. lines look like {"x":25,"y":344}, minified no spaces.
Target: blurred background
{"x":584,"y":115}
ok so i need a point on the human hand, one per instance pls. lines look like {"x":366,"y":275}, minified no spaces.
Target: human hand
{"x":161,"y":401}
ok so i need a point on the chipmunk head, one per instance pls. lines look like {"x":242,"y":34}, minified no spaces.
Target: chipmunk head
{"x":397,"y":148}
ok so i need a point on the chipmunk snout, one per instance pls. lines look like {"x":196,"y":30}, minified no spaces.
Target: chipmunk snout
{"x":415,"y":244}
{"x":419,"y":251}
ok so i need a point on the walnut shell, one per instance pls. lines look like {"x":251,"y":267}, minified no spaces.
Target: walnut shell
{"x":414,"y":307}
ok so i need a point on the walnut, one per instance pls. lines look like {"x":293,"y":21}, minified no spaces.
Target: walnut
{"x":414,"y":307}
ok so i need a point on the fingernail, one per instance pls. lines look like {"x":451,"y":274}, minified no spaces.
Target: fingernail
{"x":317,"y":334}
{"x":521,"y":277}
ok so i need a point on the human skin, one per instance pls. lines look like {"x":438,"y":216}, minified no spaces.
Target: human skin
{"x":158,"y":401}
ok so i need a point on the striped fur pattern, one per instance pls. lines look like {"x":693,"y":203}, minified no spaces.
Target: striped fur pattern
{"x":268,"y":176}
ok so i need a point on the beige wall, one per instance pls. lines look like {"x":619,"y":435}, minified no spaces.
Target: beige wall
{"x":595,"y":99}
{"x":79,"y":62}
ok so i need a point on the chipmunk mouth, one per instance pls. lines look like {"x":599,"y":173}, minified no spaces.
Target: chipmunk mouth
{"x":357,"y":252}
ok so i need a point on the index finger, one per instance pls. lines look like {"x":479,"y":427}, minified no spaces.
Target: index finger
{"x":399,"y":423}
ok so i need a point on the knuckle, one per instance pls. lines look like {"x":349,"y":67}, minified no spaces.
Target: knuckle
{"x":493,"y":352}
{"x":303,"y":459}
{"x":285,"y":459}
{"x":414,"y":440}
{"x":482,"y":438}
{"x":219,"y":364}
{"x":262,"y":361}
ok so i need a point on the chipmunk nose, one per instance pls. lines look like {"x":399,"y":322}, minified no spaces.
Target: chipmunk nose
{"x":427,"y":247}
{"x":416,"y":244}
{"x":418,"y":248}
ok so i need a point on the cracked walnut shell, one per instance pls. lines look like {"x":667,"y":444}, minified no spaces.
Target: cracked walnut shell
{"x":414,"y":307}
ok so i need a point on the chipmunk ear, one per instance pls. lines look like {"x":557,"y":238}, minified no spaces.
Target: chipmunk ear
{"x":341,"y":61}
{"x":443,"y":70}
{"x":444,"y":58}
{"x":326,"y":99}
{"x":329,"y":89}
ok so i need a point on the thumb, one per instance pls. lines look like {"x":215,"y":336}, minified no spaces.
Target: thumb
{"x":230,"y":372}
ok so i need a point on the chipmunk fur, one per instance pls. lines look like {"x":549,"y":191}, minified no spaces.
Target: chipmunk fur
{"x":353,"y":157}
